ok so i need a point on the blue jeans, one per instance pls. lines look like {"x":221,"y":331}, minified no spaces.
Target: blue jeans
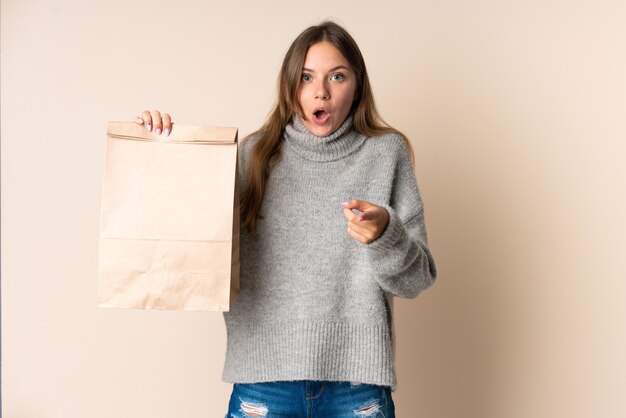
{"x":310,"y":399}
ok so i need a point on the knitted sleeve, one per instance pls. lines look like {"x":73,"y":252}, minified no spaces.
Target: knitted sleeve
{"x":400,"y":256}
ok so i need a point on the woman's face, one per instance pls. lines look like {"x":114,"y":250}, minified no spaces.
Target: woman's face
{"x":327,"y":89}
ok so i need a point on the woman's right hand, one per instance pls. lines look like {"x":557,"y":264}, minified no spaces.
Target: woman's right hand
{"x":150,"y":119}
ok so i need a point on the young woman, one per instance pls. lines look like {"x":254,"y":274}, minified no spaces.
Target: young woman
{"x":332,"y":230}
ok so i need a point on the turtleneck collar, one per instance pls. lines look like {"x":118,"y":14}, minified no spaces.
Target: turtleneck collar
{"x":341,"y":143}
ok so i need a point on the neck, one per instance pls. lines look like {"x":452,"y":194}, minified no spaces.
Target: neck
{"x":339,"y":144}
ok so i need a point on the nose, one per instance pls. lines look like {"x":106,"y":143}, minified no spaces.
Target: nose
{"x":322,"y":91}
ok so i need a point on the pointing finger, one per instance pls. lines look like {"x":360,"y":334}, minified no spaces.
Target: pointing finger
{"x":357,"y":204}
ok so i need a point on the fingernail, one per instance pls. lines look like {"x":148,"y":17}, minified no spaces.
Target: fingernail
{"x":139,"y":121}
{"x":166,"y":132}
{"x":345,"y":203}
{"x":149,"y":126}
{"x":158,"y":131}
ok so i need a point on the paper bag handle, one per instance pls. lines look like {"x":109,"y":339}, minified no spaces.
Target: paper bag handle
{"x":183,"y":134}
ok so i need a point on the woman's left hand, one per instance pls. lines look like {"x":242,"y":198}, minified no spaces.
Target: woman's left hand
{"x":368,"y":225}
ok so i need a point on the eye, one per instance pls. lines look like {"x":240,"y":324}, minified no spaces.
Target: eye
{"x":306,"y":78}
{"x":337,"y":77}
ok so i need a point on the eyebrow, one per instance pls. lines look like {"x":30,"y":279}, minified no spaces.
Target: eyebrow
{"x":339,"y":67}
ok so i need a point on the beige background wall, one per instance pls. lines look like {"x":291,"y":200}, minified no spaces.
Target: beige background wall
{"x":516,"y":110}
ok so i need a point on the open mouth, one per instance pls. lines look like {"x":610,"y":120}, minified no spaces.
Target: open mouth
{"x":320,"y":116}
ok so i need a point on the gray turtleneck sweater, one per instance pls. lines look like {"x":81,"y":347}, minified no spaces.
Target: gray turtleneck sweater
{"x":315,"y":304}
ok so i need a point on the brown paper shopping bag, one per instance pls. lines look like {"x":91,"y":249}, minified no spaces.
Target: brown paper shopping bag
{"x":169,"y":226}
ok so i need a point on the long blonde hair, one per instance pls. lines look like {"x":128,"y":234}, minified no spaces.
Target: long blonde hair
{"x":266,"y":151}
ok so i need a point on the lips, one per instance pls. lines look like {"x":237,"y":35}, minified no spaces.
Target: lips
{"x":320,"y":116}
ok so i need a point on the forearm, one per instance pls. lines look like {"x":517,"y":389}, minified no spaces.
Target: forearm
{"x":401,"y":258}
